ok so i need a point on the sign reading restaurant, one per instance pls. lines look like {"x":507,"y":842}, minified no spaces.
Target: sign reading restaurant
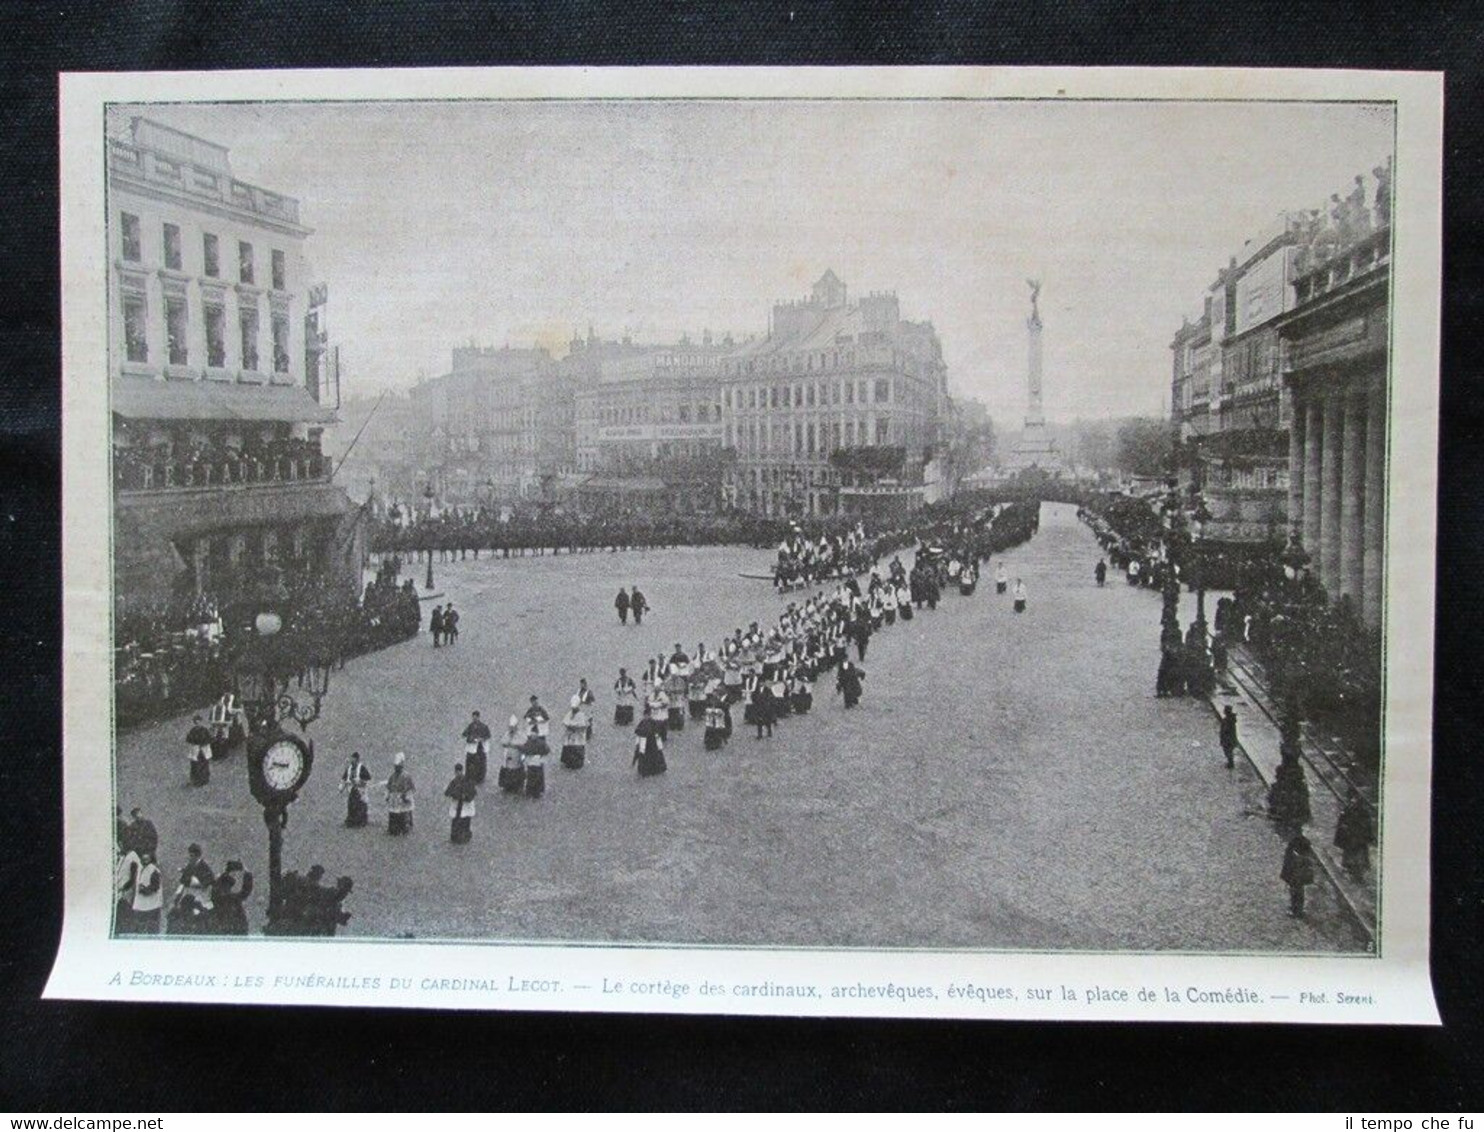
{"x":661,"y":432}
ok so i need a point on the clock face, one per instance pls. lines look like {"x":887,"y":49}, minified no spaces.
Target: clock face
{"x":283,"y":766}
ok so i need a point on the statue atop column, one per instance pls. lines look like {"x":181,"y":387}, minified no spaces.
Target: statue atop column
{"x":1035,"y":286}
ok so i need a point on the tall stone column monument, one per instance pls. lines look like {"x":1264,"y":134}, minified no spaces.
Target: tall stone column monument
{"x":1035,"y":448}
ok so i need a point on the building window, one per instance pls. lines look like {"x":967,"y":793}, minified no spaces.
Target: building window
{"x":685,"y":414}
{"x":280,"y":344}
{"x":809,"y":396}
{"x":810,"y":436}
{"x":244,"y":262}
{"x":280,"y":271}
{"x":172,"y":246}
{"x":136,"y":343}
{"x":883,"y":430}
{"x":798,"y":437}
{"x":249,"y":324}
{"x":211,"y":254}
{"x":216,"y":337}
{"x":850,"y":393}
{"x":175,"y":331}
{"x":835,"y":436}
{"x":129,"y":234}
{"x":883,"y":390}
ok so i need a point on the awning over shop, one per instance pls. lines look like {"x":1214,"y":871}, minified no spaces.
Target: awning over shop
{"x":144,"y":398}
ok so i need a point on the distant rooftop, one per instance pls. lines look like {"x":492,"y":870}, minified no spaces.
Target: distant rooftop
{"x":178,"y":144}
{"x":161,"y":156}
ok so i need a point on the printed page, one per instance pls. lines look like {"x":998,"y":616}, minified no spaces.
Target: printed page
{"x":922,"y":542}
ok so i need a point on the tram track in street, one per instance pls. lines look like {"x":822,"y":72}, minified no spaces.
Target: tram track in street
{"x":1330,"y":762}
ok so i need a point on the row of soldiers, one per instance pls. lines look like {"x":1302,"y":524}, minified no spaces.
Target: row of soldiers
{"x":465,"y":534}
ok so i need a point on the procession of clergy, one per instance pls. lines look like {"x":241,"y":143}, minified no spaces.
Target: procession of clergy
{"x":769,"y":672}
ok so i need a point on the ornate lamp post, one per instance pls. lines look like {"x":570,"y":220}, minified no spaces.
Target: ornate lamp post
{"x":1174,"y":525}
{"x":278,"y":763}
{"x":1197,"y":569}
{"x":428,"y":495}
{"x":1198,"y":519}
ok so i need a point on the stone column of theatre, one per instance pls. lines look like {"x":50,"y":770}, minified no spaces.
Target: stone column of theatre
{"x":1375,"y":504}
{"x":1313,"y":450}
{"x":1329,"y":494}
{"x":1352,"y":496}
{"x":1296,"y":475}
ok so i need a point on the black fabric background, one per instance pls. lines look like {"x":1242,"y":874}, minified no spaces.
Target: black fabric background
{"x":70,"y":1057}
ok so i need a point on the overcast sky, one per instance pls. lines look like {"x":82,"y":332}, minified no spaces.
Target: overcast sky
{"x":438,"y":223}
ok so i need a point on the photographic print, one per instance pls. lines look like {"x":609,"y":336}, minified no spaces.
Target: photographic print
{"x":924,"y":547}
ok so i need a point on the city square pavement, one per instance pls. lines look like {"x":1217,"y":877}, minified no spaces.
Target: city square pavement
{"x":1009,"y":781}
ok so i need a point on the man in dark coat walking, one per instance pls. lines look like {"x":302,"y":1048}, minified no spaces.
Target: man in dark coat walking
{"x":621,"y":603}
{"x":1228,"y":734}
{"x":1355,"y":833}
{"x":848,"y":683}
{"x":1297,"y":872}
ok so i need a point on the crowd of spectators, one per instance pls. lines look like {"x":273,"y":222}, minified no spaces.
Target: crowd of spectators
{"x":175,"y":657}
{"x":1317,"y":653}
{"x":167,"y":659}
{"x":1320,"y":661}
{"x":470,"y":532}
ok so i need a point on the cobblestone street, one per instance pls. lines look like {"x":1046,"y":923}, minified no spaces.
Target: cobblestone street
{"x":1008,"y":781}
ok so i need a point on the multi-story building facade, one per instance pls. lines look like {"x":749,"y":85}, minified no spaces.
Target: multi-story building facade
{"x":1228,"y":408}
{"x":1190,"y":384}
{"x":219,"y":381}
{"x":500,"y":425}
{"x":1334,"y":351}
{"x":841,"y":409}
{"x":1293,"y":442}
{"x":649,"y":427}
